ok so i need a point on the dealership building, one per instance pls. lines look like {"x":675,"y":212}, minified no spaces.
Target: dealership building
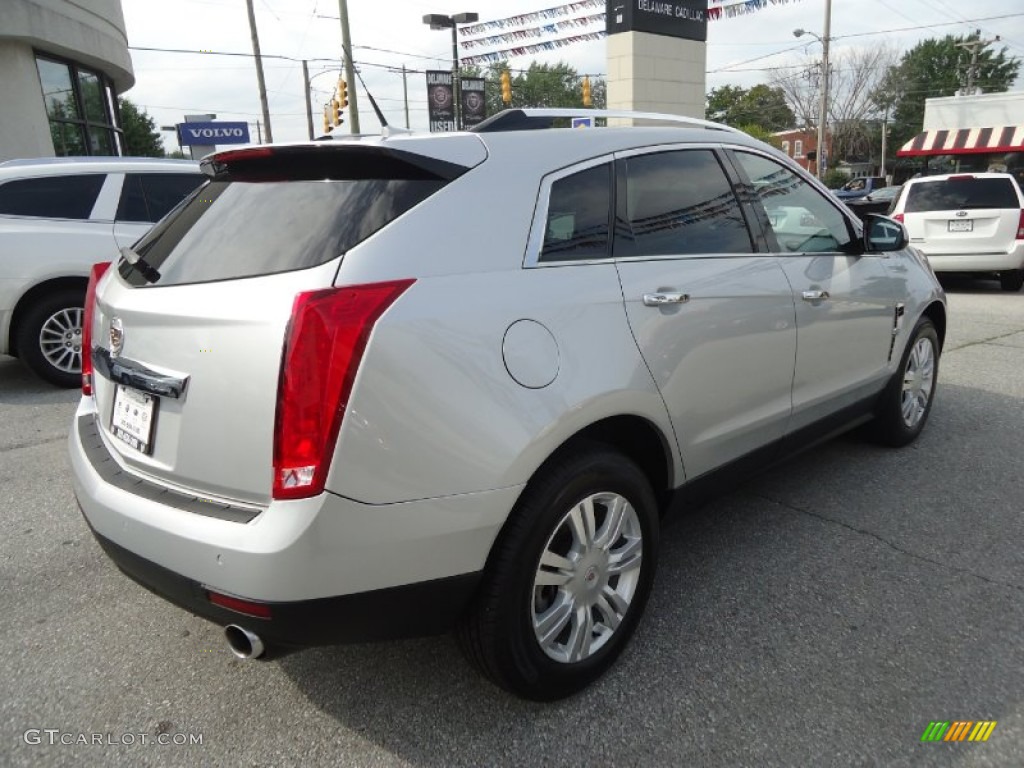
{"x":63,"y":63}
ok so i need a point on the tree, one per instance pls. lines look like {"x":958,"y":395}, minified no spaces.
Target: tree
{"x":141,"y":137}
{"x":761,"y":133}
{"x":936,"y":68}
{"x":855,"y":76}
{"x":540,"y":85}
{"x":761,"y":105}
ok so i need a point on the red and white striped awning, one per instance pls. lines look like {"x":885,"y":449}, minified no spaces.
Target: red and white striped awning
{"x":965,"y":141}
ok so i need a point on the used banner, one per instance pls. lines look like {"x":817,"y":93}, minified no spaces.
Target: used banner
{"x":440,"y":101}
{"x":474,"y":105}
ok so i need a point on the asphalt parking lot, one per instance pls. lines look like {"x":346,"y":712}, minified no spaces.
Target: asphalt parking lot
{"x":820,"y":615}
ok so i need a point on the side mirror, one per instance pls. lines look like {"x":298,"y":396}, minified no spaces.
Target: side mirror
{"x":883,"y":234}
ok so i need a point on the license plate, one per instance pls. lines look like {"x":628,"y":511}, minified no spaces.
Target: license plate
{"x":961,"y":226}
{"x":133,"y":418}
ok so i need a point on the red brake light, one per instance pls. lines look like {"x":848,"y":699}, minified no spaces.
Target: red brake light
{"x":1020,"y":225}
{"x":898,"y":217}
{"x":961,"y":177}
{"x":249,"y":608}
{"x":323,"y":347}
{"x":248,"y":153}
{"x":90,"y":305}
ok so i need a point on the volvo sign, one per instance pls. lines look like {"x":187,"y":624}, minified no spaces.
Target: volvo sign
{"x":211,"y":134}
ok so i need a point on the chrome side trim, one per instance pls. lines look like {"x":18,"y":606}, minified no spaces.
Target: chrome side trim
{"x":136,"y":375}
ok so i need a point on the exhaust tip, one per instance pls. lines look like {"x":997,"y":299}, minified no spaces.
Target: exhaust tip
{"x":243,"y":643}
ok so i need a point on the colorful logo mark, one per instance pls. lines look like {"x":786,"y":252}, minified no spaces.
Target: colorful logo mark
{"x":958,"y":730}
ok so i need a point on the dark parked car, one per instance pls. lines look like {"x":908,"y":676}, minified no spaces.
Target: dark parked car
{"x":879,"y":201}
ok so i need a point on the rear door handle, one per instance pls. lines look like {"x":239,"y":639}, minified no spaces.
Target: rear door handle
{"x":815,"y":295}
{"x":662,"y":299}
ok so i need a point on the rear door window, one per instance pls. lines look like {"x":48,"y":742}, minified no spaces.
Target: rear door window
{"x":678,"y":203}
{"x":52,"y":197}
{"x":579,"y":210}
{"x":961,"y":194}
{"x":148,"y":197}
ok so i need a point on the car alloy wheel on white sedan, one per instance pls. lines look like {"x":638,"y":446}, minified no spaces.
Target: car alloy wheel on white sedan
{"x":49,"y":337}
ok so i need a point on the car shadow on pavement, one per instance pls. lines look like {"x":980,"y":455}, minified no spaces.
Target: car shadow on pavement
{"x":18,"y":386}
{"x":822,"y":613}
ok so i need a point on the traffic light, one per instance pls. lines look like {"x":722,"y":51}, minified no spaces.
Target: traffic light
{"x":342,"y":93}
{"x":335,"y":112}
{"x":506,"y":87}
{"x":586,"y":91}
{"x":327,"y":120}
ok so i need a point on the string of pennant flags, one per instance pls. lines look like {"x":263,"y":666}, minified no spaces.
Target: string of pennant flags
{"x":509,"y":34}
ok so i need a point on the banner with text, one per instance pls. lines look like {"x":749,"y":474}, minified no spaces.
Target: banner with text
{"x":440,"y":100}
{"x":686,"y":19}
{"x":211,"y":134}
{"x":474,"y":105}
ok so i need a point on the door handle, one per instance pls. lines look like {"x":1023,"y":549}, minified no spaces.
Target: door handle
{"x":662,"y":299}
{"x":815,"y":295}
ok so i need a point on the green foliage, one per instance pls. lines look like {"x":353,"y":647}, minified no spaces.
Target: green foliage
{"x":141,"y":137}
{"x":931,"y":69}
{"x":834,"y":179}
{"x":761,"y":105}
{"x":540,"y":85}
{"x":761,"y":133}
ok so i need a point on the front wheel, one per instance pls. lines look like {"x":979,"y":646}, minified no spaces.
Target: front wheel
{"x":49,"y":337}
{"x":907,"y":401}
{"x":568,"y":578}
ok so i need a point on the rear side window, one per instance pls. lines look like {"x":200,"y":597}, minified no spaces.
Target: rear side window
{"x":237,"y":229}
{"x":579,"y":208}
{"x":679,"y":203}
{"x":52,"y":197}
{"x":961,"y":194}
{"x":149,"y":197}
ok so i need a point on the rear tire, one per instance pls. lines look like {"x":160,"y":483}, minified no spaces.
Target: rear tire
{"x":49,"y":337}
{"x":567,"y":579}
{"x":1012,"y":280}
{"x":906,"y":403}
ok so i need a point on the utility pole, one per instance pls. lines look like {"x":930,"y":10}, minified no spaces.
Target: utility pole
{"x":823,"y":117}
{"x":350,"y":72}
{"x":259,"y":69}
{"x":309,"y":104}
{"x":885,"y":130}
{"x":405,"y":92}
{"x":975,"y":47}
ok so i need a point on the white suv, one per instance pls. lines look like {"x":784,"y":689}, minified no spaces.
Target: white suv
{"x":59,"y":216}
{"x":967,"y":222}
{"x":383,"y":387}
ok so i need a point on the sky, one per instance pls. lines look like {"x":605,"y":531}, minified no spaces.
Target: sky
{"x":389,"y":35}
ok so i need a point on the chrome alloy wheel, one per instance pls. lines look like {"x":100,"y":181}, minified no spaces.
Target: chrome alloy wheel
{"x":586,"y":577}
{"x":918,"y":382}
{"x":60,"y":339}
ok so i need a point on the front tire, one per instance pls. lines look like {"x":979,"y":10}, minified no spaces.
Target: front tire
{"x":1012,"y":280}
{"x":49,"y":337}
{"x":568,"y":578}
{"x":907,"y":401}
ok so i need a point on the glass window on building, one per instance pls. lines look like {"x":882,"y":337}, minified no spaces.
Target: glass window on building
{"x":80,"y":108}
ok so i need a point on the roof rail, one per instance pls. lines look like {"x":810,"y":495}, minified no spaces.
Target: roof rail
{"x":541,"y":119}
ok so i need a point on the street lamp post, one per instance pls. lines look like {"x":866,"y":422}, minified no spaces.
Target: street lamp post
{"x":823,"y":114}
{"x":441,"y":21}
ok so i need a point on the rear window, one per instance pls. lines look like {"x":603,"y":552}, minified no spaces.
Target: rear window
{"x":52,"y":197}
{"x":237,"y":229}
{"x":961,"y":194}
{"x":148,"y":197}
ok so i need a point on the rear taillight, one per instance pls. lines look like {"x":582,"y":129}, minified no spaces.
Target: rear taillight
{"x":1020,"y":225}
{"x":90,"y":305}
{"x":898,"y":217}
{"x":238,"y":605}
{"x":323,"y":347}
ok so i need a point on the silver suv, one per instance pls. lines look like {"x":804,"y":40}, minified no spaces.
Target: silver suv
{"x":390,"y":386}
{"x":59,"y":216}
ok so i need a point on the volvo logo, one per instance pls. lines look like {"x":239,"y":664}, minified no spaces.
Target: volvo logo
{"x":961,"y":213}
{"x":116,"y":336}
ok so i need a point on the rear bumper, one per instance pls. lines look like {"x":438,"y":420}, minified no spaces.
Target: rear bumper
{"x":324,"y":564}
{"x":975,"y":262}
{"x":414,"y":610}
